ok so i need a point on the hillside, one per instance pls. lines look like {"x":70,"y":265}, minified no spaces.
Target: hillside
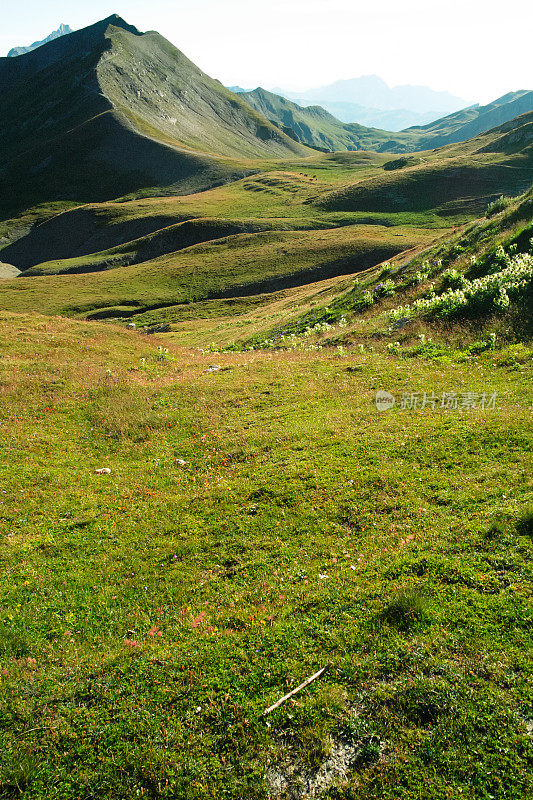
{"x":202,"y":499}
{"x":470,"y":122}
{"x":314,"y":126}
{"x":186,"y":536}
{"x":170,"y":258}
{"x":112,"y":110}
{"x":470,"y":173}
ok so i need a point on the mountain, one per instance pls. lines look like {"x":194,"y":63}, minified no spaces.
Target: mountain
{"x":470,"y":122}
{"x":61,"y":31}
{"x":363,"y":100}
{"x":107,"y":110}
{"x":393,"y":120}
{"x":315,"y":127}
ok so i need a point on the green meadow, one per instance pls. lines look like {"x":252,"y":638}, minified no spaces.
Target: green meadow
{"x":151,"y":614}
{"x":202,"y":502}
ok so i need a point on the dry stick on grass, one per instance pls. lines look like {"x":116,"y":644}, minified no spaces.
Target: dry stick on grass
{"x":294,"y":691}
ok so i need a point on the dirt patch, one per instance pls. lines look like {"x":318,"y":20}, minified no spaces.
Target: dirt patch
{"x":290,"y":780}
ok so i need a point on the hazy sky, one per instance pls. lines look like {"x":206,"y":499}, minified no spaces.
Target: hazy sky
{"x":477,"y":49}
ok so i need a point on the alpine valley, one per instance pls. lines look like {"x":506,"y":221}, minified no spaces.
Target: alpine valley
{"x":266,"y":409}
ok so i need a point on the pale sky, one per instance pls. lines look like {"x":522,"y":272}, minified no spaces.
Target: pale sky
{"x":476,"y":49}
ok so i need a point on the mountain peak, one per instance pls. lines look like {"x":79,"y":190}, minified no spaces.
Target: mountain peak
{"x":117,"y":21}
{"x":63,"y":30}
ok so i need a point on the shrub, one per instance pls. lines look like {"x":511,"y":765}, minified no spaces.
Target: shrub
{"x":385,"y":289}
{"x":451,"y":279}
{"x":509,"y":279}
{"x":498,"y":205}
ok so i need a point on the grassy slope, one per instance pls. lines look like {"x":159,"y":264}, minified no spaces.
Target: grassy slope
{"x":281,"y":546}
{"x":328,"y":301}
{"x":233,"y":266}
{"x":274,"y":195}
{"x":469,"y":173}
{"x":251,"y":264}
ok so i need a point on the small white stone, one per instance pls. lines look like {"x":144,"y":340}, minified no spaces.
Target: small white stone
{"x":103,"y":471}
{"x":180,"y":462}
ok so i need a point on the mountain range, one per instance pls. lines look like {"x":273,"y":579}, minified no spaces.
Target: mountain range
{"x":19,"y":51}
{"x":368,"y":100}
{"x":316,"y":127}
{"x":107,"y":111}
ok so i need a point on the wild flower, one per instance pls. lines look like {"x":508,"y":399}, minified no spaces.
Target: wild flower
{"x":496,"y":289}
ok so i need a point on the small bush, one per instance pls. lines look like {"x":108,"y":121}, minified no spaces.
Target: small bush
{"x":385,"y":289}
{"x":451,"y":279}
{"x":498,"y":205}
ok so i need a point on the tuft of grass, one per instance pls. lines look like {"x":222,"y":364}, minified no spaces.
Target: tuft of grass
{"x":498,"y":531}
{"x":12,"y":643}
{"x":524,"y":526}
{"x":17,"y":773}
{"x":405,"y":610}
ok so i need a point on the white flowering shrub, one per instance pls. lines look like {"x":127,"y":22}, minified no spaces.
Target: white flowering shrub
{"x":451,"y":279}
{"x":497,"y":289}
{"x":385,"y":289}
{"x":498,"y":205}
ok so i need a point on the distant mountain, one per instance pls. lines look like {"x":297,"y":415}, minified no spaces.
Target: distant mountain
{"x":394,"y":120}
{"x":470,"y":122}
{"x":19,"y":51}
{"x":316,"y":127}
{"x":236,"y":89}
{"x":368,"y":100}
{"x":112,"y":110}
{"x":372,"y":92}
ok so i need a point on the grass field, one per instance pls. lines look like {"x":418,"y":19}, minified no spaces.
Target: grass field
{"x":150,"y":615}
{"x":194,"y":522}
